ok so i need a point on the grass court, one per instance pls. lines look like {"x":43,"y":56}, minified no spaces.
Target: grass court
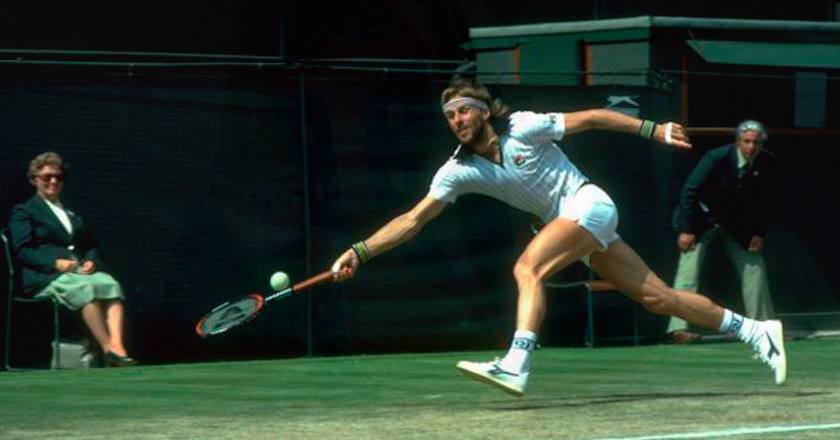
{"x":651,"y":392}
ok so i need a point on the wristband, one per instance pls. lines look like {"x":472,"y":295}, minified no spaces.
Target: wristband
{"x":647,"y":129}
{"x":669,"y":130}
{"x":362,"y":251}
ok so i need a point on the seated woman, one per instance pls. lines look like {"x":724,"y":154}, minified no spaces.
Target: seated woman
{"x":59,"y":258}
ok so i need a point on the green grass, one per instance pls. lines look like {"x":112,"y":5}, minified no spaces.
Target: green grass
{"x":574,"y":394}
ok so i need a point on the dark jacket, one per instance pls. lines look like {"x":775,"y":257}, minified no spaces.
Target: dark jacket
{"x":39,"y":238}
{"x":715,"y":194}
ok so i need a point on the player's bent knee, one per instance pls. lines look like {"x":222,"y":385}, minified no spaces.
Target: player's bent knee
{"x":524,"y":271}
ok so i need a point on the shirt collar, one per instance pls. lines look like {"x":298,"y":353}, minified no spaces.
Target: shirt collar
{"x":460,"y":150}
{"x":500,"y":127}
{"x":742,"y":161}
{"x":56,"y":204}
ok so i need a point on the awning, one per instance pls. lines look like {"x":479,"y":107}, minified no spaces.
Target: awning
{"x":816,"y":56}
{"x":649,"y":22}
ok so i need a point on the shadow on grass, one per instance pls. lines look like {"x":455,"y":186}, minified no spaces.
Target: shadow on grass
{"x":531,"y":404}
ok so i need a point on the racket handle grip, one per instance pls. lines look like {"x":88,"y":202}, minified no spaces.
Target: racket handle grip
{"x":322,"y":277}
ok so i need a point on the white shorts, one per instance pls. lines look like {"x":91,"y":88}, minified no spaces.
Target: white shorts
{"x":594,"y":211}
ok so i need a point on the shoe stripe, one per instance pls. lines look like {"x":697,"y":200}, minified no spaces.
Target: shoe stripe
{"x":771,"y":350}
{"x":498,"y":370}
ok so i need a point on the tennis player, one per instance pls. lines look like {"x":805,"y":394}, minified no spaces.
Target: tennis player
{"x":513,"y":157}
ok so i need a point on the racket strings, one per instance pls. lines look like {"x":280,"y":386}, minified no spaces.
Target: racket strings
{"x":232,"y":314}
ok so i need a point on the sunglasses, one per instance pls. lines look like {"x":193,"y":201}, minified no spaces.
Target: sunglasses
{"x":50,"y":176}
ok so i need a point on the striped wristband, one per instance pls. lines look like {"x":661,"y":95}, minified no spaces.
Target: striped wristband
{"x":647,"y":129}
{"x":362,"y":251}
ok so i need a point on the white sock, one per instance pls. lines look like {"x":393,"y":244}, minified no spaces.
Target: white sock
{"x":518,"y":357}
{"x":741,"y":327}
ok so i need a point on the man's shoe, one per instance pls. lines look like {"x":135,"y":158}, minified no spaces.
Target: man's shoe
{"x":769,"y":346}
{"x":114,"y":360}
{"x":493,"y":374}
{"x":684,"y":337}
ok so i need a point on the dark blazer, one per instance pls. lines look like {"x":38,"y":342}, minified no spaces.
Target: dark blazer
{"x":39,"y":238}
{"x":715,"y":194}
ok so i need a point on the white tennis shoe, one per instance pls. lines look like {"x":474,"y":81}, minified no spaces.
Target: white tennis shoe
{"x":769,"y":346}
{"x":492,"y":373}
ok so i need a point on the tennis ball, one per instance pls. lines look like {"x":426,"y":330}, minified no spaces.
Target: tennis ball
{"x":279,"y":281}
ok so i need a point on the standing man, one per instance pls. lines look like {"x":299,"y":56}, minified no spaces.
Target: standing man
{"x":513,"y":158}
{"x":727,"y":196}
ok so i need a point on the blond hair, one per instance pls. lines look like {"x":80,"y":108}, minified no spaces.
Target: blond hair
{"x":44,"y":159}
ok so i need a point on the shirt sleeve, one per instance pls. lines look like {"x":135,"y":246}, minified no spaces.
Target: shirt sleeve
{"x":445,"y":185}
{"x":537,"y":128}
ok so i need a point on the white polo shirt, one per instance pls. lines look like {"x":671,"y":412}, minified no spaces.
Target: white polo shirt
{"x":534,"y":175}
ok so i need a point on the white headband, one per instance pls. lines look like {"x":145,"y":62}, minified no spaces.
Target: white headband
{"x":457,"y":102}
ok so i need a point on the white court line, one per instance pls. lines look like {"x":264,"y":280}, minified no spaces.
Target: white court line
{"x":729,"y":432}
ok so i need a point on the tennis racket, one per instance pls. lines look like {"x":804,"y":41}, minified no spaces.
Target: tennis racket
{"x":232,"y":314}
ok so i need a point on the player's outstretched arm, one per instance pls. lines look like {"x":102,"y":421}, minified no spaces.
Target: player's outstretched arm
{"x":669,"y":133}
{"x":398,"y":231}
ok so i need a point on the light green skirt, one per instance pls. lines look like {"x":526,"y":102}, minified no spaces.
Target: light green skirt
{"x":76,"y":290}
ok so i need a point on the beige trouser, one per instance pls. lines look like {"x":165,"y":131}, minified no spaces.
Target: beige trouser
{"x":751,"y":271}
